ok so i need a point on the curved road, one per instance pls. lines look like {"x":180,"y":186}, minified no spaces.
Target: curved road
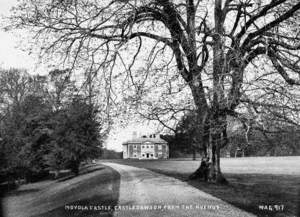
{"x":146,"y":193}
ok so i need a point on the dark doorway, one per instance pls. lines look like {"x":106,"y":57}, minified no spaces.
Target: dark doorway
{"x":147,"y":155}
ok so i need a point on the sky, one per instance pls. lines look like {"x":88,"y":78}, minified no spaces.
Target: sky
{"x":10,"y":54}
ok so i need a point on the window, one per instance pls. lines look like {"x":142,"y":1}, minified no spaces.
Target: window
{"x":151,"y":155}
{"x":147,"y":146}
{"x":134,"y":146}
{"x":143,"y":146}
{"x":159,"y":147}
{"x":143,"y":155}
{"x":151,"y":146}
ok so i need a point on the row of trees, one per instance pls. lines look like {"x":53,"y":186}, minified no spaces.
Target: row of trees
{"x":45,"y":125}
{"x":243,"y":140}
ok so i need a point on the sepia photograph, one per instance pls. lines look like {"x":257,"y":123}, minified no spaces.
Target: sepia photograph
{"x":149,"y":108}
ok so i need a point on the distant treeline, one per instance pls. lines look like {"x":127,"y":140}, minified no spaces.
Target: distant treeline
{"x":111,"y":154}
{"x":284,"y":142}
{"x":277,"y":140}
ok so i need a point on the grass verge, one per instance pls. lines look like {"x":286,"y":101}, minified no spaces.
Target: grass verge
{"x":94,"y":187}
{"x":273,"y":195}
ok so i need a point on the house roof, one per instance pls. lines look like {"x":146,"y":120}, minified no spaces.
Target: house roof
{"x":143,"y":140}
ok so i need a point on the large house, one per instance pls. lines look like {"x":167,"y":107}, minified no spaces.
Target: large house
{"x":146,"y":147}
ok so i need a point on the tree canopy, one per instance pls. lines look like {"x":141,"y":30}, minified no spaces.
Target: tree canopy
{"x":233,"y":55}
{"x":38,"y":133}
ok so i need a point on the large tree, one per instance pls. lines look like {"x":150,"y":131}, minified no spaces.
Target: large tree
{"x":218,"y":47}
{"x":76,"y":135}
{"x":45,"y":124}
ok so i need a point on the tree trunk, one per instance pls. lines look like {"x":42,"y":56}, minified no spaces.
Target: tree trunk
{"x":213,"y":171}
{"x":210,"y":128}
{"x":194,"y":153}
{"x":211,"y":122}
{"x":236,"y":152}
{"x":74,"y":166}
{"x":214,"y":148}
{"x":217,"y":117}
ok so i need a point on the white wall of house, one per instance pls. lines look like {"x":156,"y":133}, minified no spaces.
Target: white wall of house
{"x":125,"y":151}
{"x":148,"y":151}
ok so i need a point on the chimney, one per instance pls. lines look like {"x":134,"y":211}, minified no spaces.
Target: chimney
{"x":134,"y":135}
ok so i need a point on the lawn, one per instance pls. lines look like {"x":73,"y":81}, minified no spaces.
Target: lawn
{"x":96,"y":185}
{"x":256,"y":184}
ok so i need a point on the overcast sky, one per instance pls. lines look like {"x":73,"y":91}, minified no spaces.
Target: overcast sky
{"x":10,"y":55}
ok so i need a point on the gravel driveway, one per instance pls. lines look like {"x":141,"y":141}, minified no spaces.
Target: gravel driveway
{"x":146,"y":193}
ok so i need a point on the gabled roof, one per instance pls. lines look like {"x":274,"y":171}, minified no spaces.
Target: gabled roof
{"x":143,"y":140}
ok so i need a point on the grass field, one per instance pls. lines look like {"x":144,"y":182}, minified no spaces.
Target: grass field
{"x":256,"y":184}
{"x":95,"y":185}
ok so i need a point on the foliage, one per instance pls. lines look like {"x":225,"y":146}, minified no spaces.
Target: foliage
{"x":111,"y":154}
{"x":283,"y":142}
{"x":75,"y":136}
{"x":184,"y":140}
{"x":38,"y":135}
{"x":279,"y":140}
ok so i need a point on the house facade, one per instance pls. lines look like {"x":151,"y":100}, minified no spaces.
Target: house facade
{"x":152,"y":147}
